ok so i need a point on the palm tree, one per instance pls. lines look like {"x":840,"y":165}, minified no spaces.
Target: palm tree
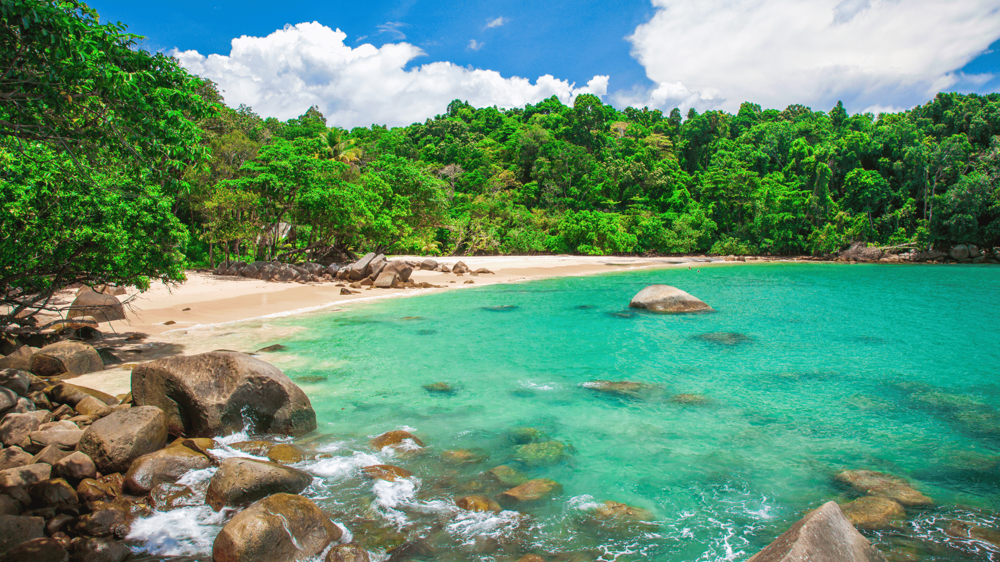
{"x":340,"y":149}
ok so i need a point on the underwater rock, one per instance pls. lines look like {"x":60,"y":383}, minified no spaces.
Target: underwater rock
{"x":279,"y":528}
{"x":440,"y":387}
{"x":963,"y":530}
{"x":395,"y":439}
{"x":612,"y":510}
{"x":477,"y":503}
{"x":522,"y":435}
{"x":627,"y":389}
{"x":530,"y":491}
{"x":272,"y":348}
{"x":501,"y":308}
{"x":347,"y":553}
{"x":724,"y":338}
{"x":823,"y":535}
{"x":506,"y":475}
{"x":223,"y":392}
{"x":873,"y":512}
{"x":690,"y":399}
{"x":880,"y":484}
{"x":386,"y":472}
{"x":664,"y":298}
{"x":464,"y":456}
{"x":541,"y":454}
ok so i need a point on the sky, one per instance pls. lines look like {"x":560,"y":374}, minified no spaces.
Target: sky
{"x":399,"y":62}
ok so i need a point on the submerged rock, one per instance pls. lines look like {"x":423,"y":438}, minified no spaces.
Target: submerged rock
{"x":464,"y":456}
{"x":880,"y":484}
{"x":541,"y":454}
{"x":612,"y":510}
{"x":477,"y":503}
{"x":823,"y":535}
{"x":501,"y":308}
{"x":522,"y":435}
{"x":873,"y":512}
{"x":690,"y":399}
{"x":279,"y":528}
{"x":439,"y":387}
{"x":530,"y":491}
{"x":664,"y":298}
{"x":223,"y":392}
{"x":963,"y":530}
{"x":386,"y":472}
{"x":724,"y":338}
{"x":506,"y":475}
{"x":626,"y":389}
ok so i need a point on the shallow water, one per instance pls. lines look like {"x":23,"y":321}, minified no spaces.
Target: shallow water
{"x":804,"y":370}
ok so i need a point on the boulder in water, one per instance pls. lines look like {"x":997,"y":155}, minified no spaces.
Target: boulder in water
{"x":477,"y":503}
{"x":507,"y":476}
{"x":541,"y":454}
{"x":163,"y":466}
{"x":397,"y":439}
{"x":530,"y":491}
{"x":626,"y":389}
{"x":823,"y":535}
{"x":724,"y":338}
{"x":347,"y":553}
{"x":664,"y":298}
{"x":617,"y":511}
{"x":386,"y":472}
{"x":690,"y":399}
{"x":886,"y":485}
{"x":242,"y":481}
{"x":279,"y":528}
{"x":103,"y":307}
{"x":223,"y":392}
{"x":439,"y":387}
{"x":873,"y":512}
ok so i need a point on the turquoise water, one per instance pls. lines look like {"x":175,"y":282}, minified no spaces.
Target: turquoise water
{"x":827,"y":367}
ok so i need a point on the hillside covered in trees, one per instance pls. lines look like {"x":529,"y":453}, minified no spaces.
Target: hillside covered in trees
{"x":118,"y":166}
{"x":591,"y":179}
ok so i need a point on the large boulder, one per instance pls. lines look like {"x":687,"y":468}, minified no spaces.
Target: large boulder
{"x":959,"y":252}
{"x":664,"y":298}
{"x":42,"y":549}
{"x":376,"y":266}
{"x":71,"y":394}
{"x":115,"y":441}
{"x":16,"y":380}
{"x":873,"y":512}
{"x":20,"y":358}
{"x":103,"y":307}
{"x":73,"y":357}
{"x":163,"y":466}
{"x":241,"y":481}
{"x":400,"y":268}
{"x":220,"y":392}
{"x":15,"y":529}
{"x":428,"y":265}
{"x":359,"y":269}
{"x":386,"y":280}
{"x":823,"y":535}
{"x":280,"y":528}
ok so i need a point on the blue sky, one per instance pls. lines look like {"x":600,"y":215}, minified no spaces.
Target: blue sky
{"x":873,"y":54}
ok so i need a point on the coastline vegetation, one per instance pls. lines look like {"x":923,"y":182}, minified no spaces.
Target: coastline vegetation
{"x":118,"y":166}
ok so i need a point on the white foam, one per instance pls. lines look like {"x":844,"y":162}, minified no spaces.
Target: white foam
{"x":188,"y":531}
{"x":537,"y":386}
{"x":340,"y":468}
{"x":468,"y":525}
{"x":583,"y":503}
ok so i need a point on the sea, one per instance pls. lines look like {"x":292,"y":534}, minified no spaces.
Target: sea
{"x":740,"y":420}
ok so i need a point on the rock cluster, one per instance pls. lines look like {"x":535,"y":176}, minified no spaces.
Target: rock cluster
{"x":372,"y":270}
{"x":960,"y":253}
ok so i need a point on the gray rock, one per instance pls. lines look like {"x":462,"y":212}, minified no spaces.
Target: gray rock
{"x":13,"y":457}
{"x":386,"y":280}
{"x":959,"y":252}
{"x":163,"y":466}
{"x":15,"y":529}
{"x":24,"y":475}
{"x":66,"y":439}
{"x":15,"y":429}
{"x":376,"y":266}
{"x":113,"y":442}
{"x":974,"y":251}
{"x":49,"y":455}
{"x":222,"y":392}
{"x":8,"y":399}
{"x":401,"y":269}
{"x":664,"y":298}
{"x":241,"y":481}
{"x":280,"y":528}
{"x":460,"y":267}
{"x":428,"y":265}
{"x":359,"y":269}
{"x":17,"y":380}
{"x":823,"y":535}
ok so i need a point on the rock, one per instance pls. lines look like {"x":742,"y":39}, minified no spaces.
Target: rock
{"x":664,"y":298}
{"x":15,"y":529}
{"x":72,"y":394}
{"x":441,"y":387}
{"x":20,"y":359}
{"x":690,"y":399}
{"x":54,"y":492}
{"x":506,"y":475}
{"x":100,"y":523}
{"x":725,"y":338}
{"x":8,"y":399}
{"x":347,"y":553}
{"x":58,"y":523}
{"x":75,"y":466}
{"x":428,"y":265}
{"x":280,"y":528}
{"x":91,"y":490}
{"x":240,"y":482}
{"x":222,"y":390}
{"x":255,"y":448}
{"x":13,"y":457}
{"x":272,"y":348}
{"x":91,"y":406}
{"x":531,"y":558}
{"x":618,"y":511}
{"x":386,"y":472}
{"x":24,"y":475}
{"x":959,"y":252}
{"x":974,"y":251}
{"x":15,"y":429}
{"x":541,"y":454}
{"x":95,"y":549}
{"x":359,"y":269}
{"x":16,"y":380}
{"x":477,"y":503}
{"x":23,"y":406}
{"x":885,"y":485}
{"x":346,"y":292}
{"x":66,"y":439}
{"x":444,"y":268}
{"x":332,"y":270}
{"x":530,"y":491}
{"x":163,"y":466}
{"x":9,"y":506}
{"x":386,"y":280}
{"x":114,"y":441}
{"x":460,"y":267}
{"x":873,"y":512}
{"x":68,"y":356}
{"x":401,"y":269}
{"x":963,"y":530}
{"x":376,"y":266}
{"x":626,"y":389}
{"x":49,"y":455}
{"x":482,"y":271}
{"x":464,"y":456}
{"x":823,"y":535}
{"x":469,"y":282}
{"x":396,"y":439}
{"x":103,"y":307}
{"x":36,"y":550}
{"x":931,"y":255}
{"x":285,"y":453}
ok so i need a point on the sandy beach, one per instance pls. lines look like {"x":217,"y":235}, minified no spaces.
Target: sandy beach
{"x":176,"y":319}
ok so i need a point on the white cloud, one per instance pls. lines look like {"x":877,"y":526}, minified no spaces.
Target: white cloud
{"x":392,"y":28}
{"x":288,"y":71}
{"x":719,"y":53}
{"x":496,"y":22}
{"x":475,"y":45}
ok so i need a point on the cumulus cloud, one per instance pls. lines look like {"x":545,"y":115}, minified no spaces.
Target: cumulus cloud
{"x":286,"y":72}
{"x":475,"y":45}
{"x":495,"y":22}
{"x":719,"y":53}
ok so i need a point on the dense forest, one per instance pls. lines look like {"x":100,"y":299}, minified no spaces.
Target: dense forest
{"x":116,"y":165}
